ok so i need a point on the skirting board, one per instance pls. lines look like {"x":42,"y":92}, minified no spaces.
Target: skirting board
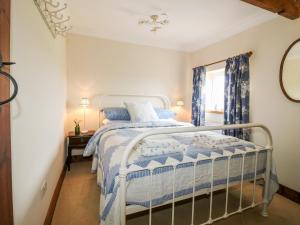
{"x":289,"y":193}
{"x":54,"y":198}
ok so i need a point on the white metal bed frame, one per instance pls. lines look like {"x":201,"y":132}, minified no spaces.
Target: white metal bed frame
{"x":126,"y":210}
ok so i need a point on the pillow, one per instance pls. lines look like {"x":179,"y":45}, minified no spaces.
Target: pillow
{"x":107,"y":121}
{"x":168,"y":120}
{"x":116,"y":113}
{"x":121,"y":113}
{"x":141,"y":112}
{"x":165,"y":113}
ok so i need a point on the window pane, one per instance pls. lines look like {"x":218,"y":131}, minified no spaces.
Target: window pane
{"x":214,"y":90}
{"x":219,"y":93}
{"x":208,"y":94}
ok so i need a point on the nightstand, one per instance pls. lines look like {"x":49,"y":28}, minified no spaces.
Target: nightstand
{"x":77,"y":142}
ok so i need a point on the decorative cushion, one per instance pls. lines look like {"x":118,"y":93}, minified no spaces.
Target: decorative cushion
{"x":165,"y":113}
{"x":116,"y":113}
{"x":141,"y":112}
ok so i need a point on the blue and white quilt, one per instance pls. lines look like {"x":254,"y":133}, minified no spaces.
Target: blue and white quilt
{"x":109,"y":142}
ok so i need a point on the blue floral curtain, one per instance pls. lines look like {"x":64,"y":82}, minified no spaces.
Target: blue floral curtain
{"x":198,"y":99}
{"x":236,"y":100}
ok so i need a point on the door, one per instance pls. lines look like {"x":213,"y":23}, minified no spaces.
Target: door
{"x":6,"y":206}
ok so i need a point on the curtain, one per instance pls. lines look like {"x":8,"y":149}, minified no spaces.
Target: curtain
{"x":236,"y":96}
{"x":198,"y":99}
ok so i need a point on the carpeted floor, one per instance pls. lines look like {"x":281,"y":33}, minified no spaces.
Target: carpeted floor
{"x":78,"y":204}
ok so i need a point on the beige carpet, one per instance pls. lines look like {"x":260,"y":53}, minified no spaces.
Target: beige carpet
{"x":78,"y":204}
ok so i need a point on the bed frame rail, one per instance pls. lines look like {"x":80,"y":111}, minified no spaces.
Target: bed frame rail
{"x":130,"y":148}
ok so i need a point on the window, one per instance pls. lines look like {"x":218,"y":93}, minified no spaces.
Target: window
{"x":214,"y":91}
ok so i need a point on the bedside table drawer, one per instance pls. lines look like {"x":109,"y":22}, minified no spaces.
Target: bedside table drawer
{"x":80,"y":140}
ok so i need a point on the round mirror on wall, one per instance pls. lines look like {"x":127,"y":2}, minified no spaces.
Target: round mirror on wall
{"x":290,"y":72}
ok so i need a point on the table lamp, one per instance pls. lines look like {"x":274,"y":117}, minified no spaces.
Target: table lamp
{"x":84,"y":103}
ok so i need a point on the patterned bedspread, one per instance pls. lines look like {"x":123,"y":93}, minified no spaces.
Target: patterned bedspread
{"x":109,"y":142}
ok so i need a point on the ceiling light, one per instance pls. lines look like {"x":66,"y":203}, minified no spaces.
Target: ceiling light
{"x":155,"y":22}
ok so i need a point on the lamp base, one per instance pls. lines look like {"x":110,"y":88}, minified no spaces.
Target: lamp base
{"x":84,"y":131}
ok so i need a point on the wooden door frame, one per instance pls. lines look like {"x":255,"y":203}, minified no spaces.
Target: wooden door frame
{"x":6,"y":203}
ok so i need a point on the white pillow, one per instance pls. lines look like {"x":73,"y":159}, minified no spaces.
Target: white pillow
{"x":141,"y":112}
{"x":107,"y":121}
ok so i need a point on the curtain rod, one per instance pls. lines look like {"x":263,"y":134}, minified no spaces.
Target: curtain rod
{"x":209,"y":64}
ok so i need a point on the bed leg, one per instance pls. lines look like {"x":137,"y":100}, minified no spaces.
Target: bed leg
{"x":267,"y":183}
{"x":264,"y":211}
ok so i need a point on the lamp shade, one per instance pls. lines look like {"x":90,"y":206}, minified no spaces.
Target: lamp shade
{"x":180,"y":103}
{"x":84,"y":102}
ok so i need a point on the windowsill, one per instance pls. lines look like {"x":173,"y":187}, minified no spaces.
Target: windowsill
{"x":214,"y":112}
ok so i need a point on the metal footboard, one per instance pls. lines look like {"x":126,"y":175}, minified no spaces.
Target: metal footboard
{"x":268,"y":148}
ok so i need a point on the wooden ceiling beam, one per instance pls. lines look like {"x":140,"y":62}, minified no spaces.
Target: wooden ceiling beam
{"x":287,"y":8}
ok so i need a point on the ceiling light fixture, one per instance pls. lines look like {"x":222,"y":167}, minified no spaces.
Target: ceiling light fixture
{"x":155,"y":22}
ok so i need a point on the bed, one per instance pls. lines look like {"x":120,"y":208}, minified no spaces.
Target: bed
{"x":187,"y":162}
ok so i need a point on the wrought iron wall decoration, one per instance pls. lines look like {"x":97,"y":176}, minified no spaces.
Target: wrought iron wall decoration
{"x":14,"y":82}
{"x":53,"y":14}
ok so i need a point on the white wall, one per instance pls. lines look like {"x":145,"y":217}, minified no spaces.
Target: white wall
{"x":99,"y":66}
{"x":268,"y":104}
{"x":37,"y":113}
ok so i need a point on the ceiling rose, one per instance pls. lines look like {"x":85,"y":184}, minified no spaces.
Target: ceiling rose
{"x":155,"y":22}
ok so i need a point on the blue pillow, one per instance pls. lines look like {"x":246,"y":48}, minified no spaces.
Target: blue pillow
{"x":121,"y":113}
{"x":116,"y":113}
{"x":165,"y":113}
